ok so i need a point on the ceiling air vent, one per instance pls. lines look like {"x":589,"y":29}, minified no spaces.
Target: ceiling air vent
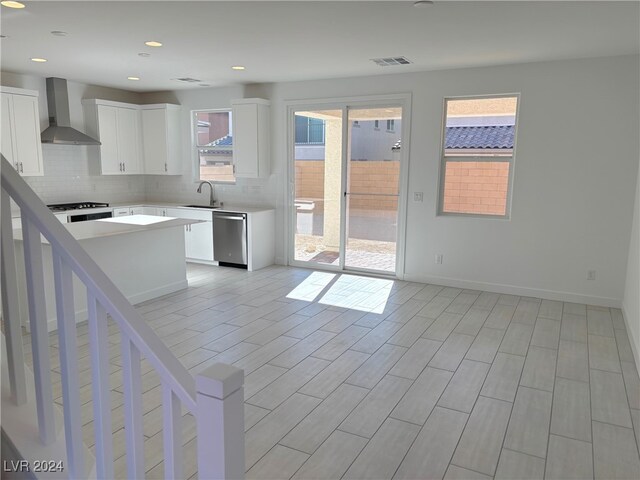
{"x":389,"y":61}
{"x":188,"y":80}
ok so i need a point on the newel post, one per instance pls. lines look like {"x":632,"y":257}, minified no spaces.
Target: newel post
{"x":220,"y":422}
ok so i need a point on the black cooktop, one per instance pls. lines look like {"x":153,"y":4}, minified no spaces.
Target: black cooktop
{"x":62,"y":207}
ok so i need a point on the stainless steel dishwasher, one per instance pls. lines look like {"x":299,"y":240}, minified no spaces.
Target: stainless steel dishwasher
{"x":230,"y":239}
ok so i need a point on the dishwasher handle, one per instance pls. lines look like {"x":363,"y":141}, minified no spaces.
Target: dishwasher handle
{"x":228,"y":217}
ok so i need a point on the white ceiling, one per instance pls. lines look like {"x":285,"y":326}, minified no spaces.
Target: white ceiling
{"x":282,"y":41}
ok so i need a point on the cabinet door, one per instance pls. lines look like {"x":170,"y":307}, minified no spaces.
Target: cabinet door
{"x":28,"y":146}
{"x":148,"y":210}
{"x":154,"y":137}
{"x":108,"y":128}
{"x":129,"y":145}
{"x":136,"y":211}
{"x":245,"y":140}
{"x":200,"y":241}
{"x":6,"y":125}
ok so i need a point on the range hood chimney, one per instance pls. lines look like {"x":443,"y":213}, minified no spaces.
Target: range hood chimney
{"x":59,"y":131}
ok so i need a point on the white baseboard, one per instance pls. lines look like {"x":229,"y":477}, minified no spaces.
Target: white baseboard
{"x":515,"y":290}
{"x":82,"y":315}
{"x":634,"y":346}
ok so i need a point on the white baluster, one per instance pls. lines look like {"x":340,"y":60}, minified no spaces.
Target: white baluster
{"x":98,"y":333}
{"x":10,"y":311}
{"x":39,"y":333}
{"x":220,"y":422}
{"x":68,"y":348}
{"x":132,"y":408}
{"x":172,"y":434}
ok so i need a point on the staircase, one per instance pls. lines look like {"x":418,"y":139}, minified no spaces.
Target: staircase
{"x":35,"y":429}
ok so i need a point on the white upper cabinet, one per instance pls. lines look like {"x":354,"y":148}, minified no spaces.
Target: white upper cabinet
{"x":161,"y":139}
{"x":20,"y":127}
{"x":117,"y":126}
{"x":250,"y":118}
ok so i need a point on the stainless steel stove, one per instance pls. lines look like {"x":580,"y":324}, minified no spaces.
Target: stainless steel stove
{"x":63,"y":207}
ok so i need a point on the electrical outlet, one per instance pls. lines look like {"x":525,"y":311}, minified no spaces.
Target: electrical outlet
{"x":591,"y":275}
{"x":438,"y":258}
{"x":417,"y":196}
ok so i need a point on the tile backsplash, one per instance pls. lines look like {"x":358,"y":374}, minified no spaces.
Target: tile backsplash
{"x":72,"y":174}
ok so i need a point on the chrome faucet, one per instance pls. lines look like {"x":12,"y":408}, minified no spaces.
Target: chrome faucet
{"x":212,"y":199}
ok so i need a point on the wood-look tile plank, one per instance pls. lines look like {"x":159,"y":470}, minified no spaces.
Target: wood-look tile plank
{"x":546,"y":333}
{"x":486,"y":300}
{"x":281,"y":462}
{"x":472,"y":321}
{"x":599,"y":322}
{"x":384,"y":452}
{"x":571,"y":416}
{"x":376,"y":337}
{"x":316,"y":427}
{"x":516,"y":339}
{"x":270,"y":430}
{"x":481,"y":442}
{"x":436,"y":306}
{"x":463,"y":389}
{"x":443,"y":326}
{"x":333,"y":458}
{"x":503,"y":378}
{"x":615,"y":454}
{"x":340,"y":343}
{"x":603,"y":354}
{"x":526,"y":311}
{"x":416,"y":358}
{"x":500,"y":316}
{"x":367,"y":417}
{"x":376,"y":366}
{"x":485,"y":346}
{"x":632,"y":384}
{"x":550,"y":309}
{"x":539,"y":368}
{"x":609,"y":399}
{"x":433,"y":448}
{"x":519,"y":466}
{"x":575,"y":309}
{"x":573,"y":328}
{"x":331,"y":377}
{"x":458,"y":473}
{"x":422,"y":396}
{"x":301,"y":350}
{"x":573,"y":361}
{"x":262,"y":355}
{"x":411,"y":331}
{"x":288,"y":383}
{"x":528,"y":429}
{"x":462,"y":303}
{"x":452,"y":352}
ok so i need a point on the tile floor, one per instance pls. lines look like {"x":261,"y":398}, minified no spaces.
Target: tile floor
{"x":352,"y":377}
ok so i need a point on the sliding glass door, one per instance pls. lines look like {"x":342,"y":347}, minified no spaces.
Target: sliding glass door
{"x":346,"y":177}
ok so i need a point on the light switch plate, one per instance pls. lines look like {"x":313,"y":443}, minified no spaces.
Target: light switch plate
{"x":417,"y":196}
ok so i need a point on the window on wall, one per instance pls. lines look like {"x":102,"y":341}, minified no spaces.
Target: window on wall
{"x":391,"y":125}
{"x":309,"y":131}
{"x":478,"y":151}
{"x":213,"y":140}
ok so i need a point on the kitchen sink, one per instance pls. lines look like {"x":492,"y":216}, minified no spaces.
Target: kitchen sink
{"x":201,"y":206}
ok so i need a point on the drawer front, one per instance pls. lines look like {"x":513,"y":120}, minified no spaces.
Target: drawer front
{"x":190,"y":214}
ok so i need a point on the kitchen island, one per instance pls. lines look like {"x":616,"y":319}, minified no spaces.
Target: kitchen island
{"x":143,"y":255}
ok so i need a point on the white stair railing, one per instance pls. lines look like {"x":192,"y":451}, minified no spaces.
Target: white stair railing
{"x":215,"y":397}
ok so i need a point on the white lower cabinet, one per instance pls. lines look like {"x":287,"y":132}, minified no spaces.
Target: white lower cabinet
{"x":198,"y":237}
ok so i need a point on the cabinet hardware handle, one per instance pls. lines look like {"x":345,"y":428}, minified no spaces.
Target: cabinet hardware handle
{"x":124,"y":167}
{"x":21,"y":168}
{"x":17,"y":167}
{"x":120,"y":166}
{"x":165,"y":166}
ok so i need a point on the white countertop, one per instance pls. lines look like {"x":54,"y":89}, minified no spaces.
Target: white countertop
{"x":117,"y":226}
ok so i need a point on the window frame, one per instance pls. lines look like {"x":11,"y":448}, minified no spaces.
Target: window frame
{"x":477,"y":158}
{"x":195,"y":148}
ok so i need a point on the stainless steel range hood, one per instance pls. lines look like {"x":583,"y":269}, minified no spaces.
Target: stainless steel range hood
{"x":59,"y":131}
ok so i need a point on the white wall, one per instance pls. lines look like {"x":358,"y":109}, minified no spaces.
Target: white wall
{"x":70,"y":172}
{"x":631,"y":302}
{"x":182,"y":189}
{"x":575,"y":174}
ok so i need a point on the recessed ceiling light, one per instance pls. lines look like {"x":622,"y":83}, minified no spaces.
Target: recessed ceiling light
{"x":153,"y":43}
{"x":144,"y":54}
{"x":422,"y":3}
{"x":135,"y":79}
{"x":59,"y":33}
{"x":11,"y":4}
{"x":237,"y":67}
{"x":39,"y":60}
